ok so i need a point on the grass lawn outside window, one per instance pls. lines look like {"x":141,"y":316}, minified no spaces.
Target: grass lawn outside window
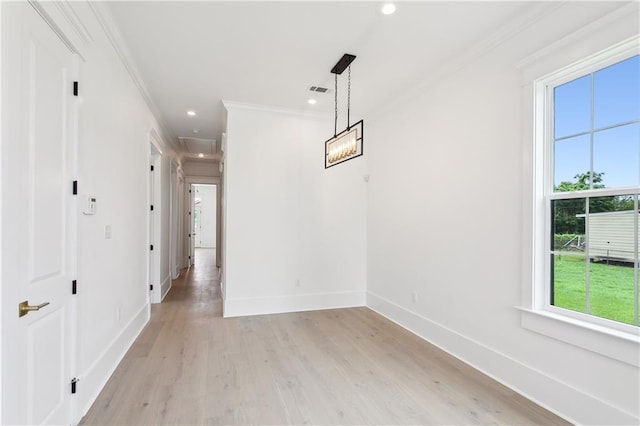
{"x":611,"y":287}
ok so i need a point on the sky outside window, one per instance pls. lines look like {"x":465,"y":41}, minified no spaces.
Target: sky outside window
{"x":592,"y":104}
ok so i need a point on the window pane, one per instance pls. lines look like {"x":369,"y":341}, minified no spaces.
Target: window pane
{"x":570,"y":158}
{"x":616,"y":93}
{"x":616,"y":154}
{"x":611,"y":290}
{"x":611,"y":253}
{"x":610,"y":228}
{"x":568,"y":216}
{"x":568,"y":260}
{"x":572,"y":107}
{"x":569,"y":278}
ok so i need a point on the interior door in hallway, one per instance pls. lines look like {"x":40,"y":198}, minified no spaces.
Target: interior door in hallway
{"x":192,"y":229}
{"x":38,"y":219}
{"x":204,"y":217}
{"x":155,"y":282}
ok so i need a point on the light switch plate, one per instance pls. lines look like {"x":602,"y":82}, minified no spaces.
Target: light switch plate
{"x":90,"y":205}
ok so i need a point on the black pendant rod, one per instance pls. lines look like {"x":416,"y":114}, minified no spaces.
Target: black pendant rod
{"x":335,"y":122}
{"x":349,"y":100}
{"x":337,"y":69}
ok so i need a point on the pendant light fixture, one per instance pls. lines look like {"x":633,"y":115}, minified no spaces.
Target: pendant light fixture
{"x":347,"y":144}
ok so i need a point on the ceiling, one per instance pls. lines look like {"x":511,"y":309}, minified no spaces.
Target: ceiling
{"x":197,"y":147}
{"x":193,"y":55}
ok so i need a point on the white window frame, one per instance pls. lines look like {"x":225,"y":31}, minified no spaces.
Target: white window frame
{"x":610,"y":338}
{"x":544,"y":89}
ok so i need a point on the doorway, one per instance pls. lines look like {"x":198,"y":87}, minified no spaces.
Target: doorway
{"x":204,"y":217}
{"x":155,"y":281}
{"x":203,"y":223}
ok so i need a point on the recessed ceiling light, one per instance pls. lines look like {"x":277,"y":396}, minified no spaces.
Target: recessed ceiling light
{"x":196,"y":130}
{"x":191,"y":113}
{"x":388,"y":8}
{"x":201,"y":155}
{"x":312,"y":101}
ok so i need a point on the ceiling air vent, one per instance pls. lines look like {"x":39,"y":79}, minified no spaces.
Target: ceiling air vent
{"x":318,"y":89}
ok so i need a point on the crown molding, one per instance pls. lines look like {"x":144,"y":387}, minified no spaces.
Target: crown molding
{"x":629,"y":9}
{"x":63,"y":20}
{"x":156,"y":140}
{"x":195,"y":160}
{"x":231,"y":105}
{"x":524,"y":18}
{"x":80,"y":30}
{"x":115,"y":38}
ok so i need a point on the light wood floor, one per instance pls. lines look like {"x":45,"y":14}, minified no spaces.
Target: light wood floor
{"x":346,"y":366}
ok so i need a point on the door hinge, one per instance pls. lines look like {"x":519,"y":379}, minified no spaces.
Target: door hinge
{"x":75,"y":88}
{"x":75,"y":187}
{"x":189,"y":257}
{"x":152,"y":167}
{"x":73,"y":384}
{"x":189,"y":213}
{"x":151,"y":207}
{"x":151,"y":287}
{"x":74,"y":287}
{"x":151,"y":247}
{"x":189,"y":235}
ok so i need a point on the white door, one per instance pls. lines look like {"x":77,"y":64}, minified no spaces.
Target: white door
{"x":152,"y":224}
{"x":38,"y":219}
{"x":206,"y":209}
{"x":192,"y":226}
{"x":197,"y":222}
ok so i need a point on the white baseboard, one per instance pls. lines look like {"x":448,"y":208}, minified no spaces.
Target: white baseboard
{"x":556,"y":396}
{"x":292,"y":303}
{"x":94,"y":378}
{"x":165,"y":287}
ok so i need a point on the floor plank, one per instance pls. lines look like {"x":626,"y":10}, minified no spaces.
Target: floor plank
{"x":345,"y":366}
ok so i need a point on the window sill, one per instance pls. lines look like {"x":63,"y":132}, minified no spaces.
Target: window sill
{"x":618,"y":345}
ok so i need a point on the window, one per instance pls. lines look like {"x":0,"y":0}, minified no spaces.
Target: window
{"x":590,"y":187}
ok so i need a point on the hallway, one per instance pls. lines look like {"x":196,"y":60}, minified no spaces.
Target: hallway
{"x":163,"y":375}
{"x":350,"y":366}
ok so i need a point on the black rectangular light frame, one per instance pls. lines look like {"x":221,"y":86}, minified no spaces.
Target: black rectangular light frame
{"x":342,"y":64}
{"x":359,"y":128}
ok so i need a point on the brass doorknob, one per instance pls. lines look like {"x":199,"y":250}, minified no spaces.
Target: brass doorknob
{"x":24,"y":308}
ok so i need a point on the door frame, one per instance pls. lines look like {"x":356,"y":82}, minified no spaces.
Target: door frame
{"x":198,"y":180}
{"x":73,"y":37}
{"x":175,"y":192}
{"x":154,"y":223}
{"x":210,"y":227}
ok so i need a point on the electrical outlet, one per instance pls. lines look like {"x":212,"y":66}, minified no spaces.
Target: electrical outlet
{"x":118,"y":313}
{"x":297,"y":283}
{"x":414,"y":297}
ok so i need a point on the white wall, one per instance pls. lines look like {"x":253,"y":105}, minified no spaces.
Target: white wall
{"x":113,"y":157}
{"x":295,"y":232}
{"x":445,"y":220}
